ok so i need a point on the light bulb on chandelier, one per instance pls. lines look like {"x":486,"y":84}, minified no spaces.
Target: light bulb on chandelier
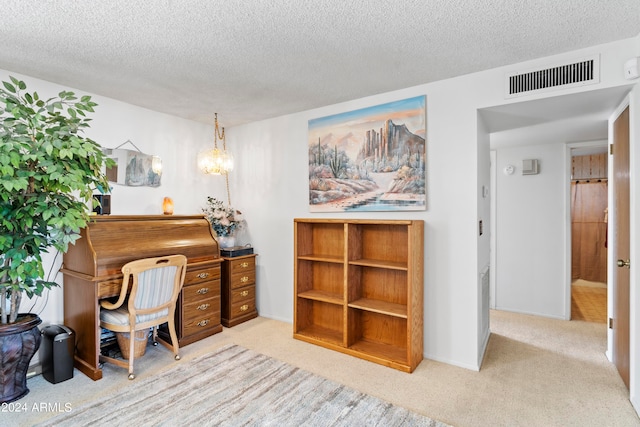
{"x":216,"y":161}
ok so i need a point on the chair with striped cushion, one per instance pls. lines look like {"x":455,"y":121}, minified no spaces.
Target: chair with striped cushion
{"x":149,"y":302}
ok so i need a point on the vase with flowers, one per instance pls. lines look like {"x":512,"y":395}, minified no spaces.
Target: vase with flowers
{"x":225,"y":221}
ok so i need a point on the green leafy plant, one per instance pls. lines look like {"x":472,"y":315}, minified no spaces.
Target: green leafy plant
{"x":48,"y":171}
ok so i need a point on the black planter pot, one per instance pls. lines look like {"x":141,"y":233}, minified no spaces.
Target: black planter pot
{"x":19,"y":341}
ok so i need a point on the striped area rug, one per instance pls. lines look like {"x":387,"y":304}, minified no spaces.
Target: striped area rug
{"x":235,"y":386}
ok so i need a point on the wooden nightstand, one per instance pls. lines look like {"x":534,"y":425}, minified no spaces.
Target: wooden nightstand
{"x":238,"y":289}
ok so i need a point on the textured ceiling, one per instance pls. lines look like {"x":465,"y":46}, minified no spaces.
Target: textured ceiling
{"x":255,"y":59}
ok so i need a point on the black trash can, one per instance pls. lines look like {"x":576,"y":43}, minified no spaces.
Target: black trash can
{"x":56,"y":353}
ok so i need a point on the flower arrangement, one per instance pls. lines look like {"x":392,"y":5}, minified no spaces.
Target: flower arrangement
{"x":224,"y":219}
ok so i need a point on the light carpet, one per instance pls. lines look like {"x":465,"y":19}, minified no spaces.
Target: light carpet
{"x":234,"y":386}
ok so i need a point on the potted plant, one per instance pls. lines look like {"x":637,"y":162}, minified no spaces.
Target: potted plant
{"x":48,"y":171}
{"x":224,"y":220}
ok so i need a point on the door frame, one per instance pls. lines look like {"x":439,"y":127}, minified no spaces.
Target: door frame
{"x":611,"y":262}
{"x":493,"y":259}
{"x":621,"y":277}
{"x":633,"y":101}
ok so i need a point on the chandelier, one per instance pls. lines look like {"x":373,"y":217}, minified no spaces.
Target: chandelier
{"x":216,"y":161}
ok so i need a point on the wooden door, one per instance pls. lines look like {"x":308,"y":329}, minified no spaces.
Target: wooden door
{"x":589,"y":231}
{"x":621,"y":250}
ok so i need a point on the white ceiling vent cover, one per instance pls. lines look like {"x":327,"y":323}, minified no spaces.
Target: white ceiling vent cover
{"x":583,"y":72}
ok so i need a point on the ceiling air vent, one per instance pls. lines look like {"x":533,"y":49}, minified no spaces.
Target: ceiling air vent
{"x":583,"y":72}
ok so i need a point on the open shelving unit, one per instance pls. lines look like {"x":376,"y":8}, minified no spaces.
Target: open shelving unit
{"x":359,"y":288}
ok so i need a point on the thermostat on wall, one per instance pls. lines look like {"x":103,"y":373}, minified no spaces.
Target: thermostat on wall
{"x":631,"y":68}
{"x":530,"y":167}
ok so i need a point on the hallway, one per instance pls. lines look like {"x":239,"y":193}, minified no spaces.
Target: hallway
{"x":589,"y":301}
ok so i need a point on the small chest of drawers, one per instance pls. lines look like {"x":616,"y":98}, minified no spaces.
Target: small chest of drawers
{"x":238,"y":289}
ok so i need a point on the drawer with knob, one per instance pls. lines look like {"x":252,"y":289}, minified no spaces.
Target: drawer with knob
{"x":200,"y":291}
{"x":242,"y":308}
{"x":242,"y":264}
{"x":201,"y":275}
{"x":201,"y":316}
{"x":243,"y":279}
{"x":243,"y":295}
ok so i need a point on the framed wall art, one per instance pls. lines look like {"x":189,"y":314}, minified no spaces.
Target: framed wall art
{"x":134,"y":168}
{"x":372,"y":159}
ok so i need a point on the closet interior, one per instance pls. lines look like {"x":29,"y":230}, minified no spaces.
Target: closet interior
{"x":589,"y":236}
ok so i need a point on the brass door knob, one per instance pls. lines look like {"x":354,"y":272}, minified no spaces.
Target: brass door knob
{"x":623,"y":263}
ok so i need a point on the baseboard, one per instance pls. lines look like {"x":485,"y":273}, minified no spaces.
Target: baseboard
{"x":468,"y":366}
{"x":636,"y":404}
{"x":35,"y":369}
{"x":483,"y":349}
{"x":279,"y":319}
{"x":532,"y":313}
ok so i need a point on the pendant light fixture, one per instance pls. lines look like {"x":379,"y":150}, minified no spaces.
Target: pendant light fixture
{"x":216,"y":161}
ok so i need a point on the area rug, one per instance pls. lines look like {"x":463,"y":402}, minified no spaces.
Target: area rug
{"x":234,"y":386}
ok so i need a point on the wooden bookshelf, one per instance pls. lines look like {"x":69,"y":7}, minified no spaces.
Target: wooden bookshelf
{"x":359,"y":288}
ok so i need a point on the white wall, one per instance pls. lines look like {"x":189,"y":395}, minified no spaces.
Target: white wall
{"x":175,"y":140}
{"x":531,"y":235}
{"x":272,"y":182}
{"x":270,"y":185}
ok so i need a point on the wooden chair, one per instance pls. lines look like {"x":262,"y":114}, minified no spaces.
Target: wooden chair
{"x":156,"y":284}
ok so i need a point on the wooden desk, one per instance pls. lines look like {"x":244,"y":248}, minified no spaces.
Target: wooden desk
{"x":92,"y":271}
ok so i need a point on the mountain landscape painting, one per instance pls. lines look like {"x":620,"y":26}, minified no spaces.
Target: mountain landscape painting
{"x":372,"y":159}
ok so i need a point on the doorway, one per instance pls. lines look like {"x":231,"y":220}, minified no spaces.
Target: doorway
{"x":589,"y":240}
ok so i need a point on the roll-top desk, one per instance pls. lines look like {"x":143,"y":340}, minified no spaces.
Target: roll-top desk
{"x":92,"y":271}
